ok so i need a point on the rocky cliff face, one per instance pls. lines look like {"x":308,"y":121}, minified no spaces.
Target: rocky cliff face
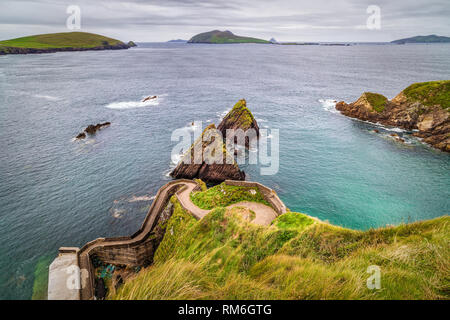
{"x":239,"y":117}
{"x":201,"y":160}
{"x":424,"y":107}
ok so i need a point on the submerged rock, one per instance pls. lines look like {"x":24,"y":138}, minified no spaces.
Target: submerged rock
{"x":92,"y":129}
{"x":422,"y":106}
{"x":201,"y":161}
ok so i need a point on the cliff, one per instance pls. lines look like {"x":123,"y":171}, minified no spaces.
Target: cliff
{"x":223,"y":37}
{"x":204,"y":168}
{"x":424,"y":107}
{"x":56,"y":42}
{"x":240,"y":117}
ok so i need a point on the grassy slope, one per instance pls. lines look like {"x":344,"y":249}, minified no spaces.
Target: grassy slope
{"x":60,"y":40}
{"x":377,"y":101}
{"x":223,"y":195}
{"x":236,"y":39}
{"x":240,"y":115}
{"x":430,"y":93}
{"x":224,"y":257}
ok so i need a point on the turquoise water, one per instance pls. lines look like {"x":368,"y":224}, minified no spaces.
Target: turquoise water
{"x":57,"y":192}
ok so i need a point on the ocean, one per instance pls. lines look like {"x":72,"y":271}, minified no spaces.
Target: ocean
{"x":55,"y":191}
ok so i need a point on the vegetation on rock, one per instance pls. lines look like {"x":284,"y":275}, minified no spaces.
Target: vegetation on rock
{"x":376,"y":100}
{"x":430,"y":93}
{"x":423,"y":107}
{"x":223,"y":37}
{"x":224,"y":195}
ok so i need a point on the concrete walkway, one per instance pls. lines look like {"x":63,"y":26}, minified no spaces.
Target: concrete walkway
{"x":130,"y":245}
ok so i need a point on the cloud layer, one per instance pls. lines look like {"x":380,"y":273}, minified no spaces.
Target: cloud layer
{"x":286,"y":20}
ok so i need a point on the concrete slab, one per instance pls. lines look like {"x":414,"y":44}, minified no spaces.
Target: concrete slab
{"x":64,"y":277}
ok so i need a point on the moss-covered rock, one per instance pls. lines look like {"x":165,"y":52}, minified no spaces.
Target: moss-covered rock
{"x":240,"y":117}
{"x":424,"y":107}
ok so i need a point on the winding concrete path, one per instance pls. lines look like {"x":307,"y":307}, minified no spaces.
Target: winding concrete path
{"x":182,"y":189}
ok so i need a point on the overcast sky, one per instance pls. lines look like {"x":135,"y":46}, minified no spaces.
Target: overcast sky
{"x":285,"y":20}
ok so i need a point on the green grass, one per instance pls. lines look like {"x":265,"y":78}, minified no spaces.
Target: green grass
{"x":223,"y":37}
{"x":430,"y":93}
{"x":61,"y":40}
{"x":240,"y":115}
{"x":224,"y":195}
{"x":40,"y":284}
{"x":377,"y":101}
{"x":293,"y":220}
{"x":223,"y":256}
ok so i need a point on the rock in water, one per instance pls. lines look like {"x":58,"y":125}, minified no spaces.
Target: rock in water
{"x":92,"y":129}
{"x":239,"y":117}
{"x":422,"y":106}
{"x":208,"y":159}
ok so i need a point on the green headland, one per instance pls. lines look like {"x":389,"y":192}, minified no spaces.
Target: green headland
{"x":222,"y":37}
{"x":67,"y":41}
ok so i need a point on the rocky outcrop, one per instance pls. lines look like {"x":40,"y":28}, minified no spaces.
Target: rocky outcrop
{"x":131,"y":44}
{"x":16,"y":50}
{"x":92,"y":129}
{"x":208,"y":159}
{"x":239,"y":117}
{"x":422,"y":107}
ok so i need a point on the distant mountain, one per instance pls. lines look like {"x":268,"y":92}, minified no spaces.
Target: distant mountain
{"x":423,"y":39}
{"x":220,"y":37}
{"x":66,"y":41}
{"x":178,"y":41}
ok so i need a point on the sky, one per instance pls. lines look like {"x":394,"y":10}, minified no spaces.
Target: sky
{"x":284,"y":20}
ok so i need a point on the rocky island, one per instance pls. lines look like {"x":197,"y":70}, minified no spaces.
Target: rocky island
{"x":188,"y":168}
{"x":432,"y":38}
{"x":56,"y":42}
{"x":239,"y":117}
{"x":223,"y":37}
{"x":423,"y":108}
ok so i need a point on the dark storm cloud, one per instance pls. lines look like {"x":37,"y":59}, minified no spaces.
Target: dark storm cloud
{"x":160,"y":20}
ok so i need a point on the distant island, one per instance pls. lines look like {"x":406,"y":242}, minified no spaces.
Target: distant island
{"x":223,"y":37}
{"x":55,"y":42}
{"x":177,"y":41}
{"x":423,"y":39}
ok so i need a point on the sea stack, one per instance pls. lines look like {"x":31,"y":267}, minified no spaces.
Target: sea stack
{"x":239,"y":117}
{"x":201,"y":160}
{"x":422,"y":107}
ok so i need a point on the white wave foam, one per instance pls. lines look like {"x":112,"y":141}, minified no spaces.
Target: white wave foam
{"x":46,"y":97}
{"x":135,"y":104}
{"x":329,"y":105}
{"x":141,"y":198}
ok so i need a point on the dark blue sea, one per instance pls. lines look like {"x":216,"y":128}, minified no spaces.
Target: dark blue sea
{"x":55,"y":191}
